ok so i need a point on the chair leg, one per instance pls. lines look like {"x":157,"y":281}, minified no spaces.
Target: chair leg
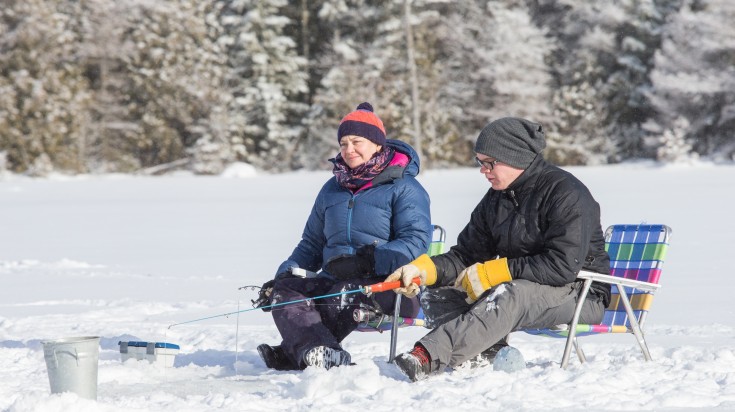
{"x":580,"y":352}
{"x":572,"y":336}
{"x":637,"y":332}
{"x":394,"y":329}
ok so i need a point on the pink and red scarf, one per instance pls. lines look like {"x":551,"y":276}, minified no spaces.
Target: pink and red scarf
{"x":355,"y":179}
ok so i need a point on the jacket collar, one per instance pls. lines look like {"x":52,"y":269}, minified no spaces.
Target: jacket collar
{"x":526,"y":179}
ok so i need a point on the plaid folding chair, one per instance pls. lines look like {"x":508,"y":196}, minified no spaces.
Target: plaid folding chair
{"x":371,"y":321}
{"x":637,"y":253}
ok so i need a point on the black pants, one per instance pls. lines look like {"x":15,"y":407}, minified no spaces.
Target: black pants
{"x":325,"y":321}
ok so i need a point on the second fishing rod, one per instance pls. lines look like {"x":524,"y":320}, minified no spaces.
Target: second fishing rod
{"x":367,"y":289}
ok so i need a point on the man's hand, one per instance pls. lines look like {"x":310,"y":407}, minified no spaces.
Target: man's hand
{"x":264,"y":296}
{"x":423,"y":268}
{"x":480,"y":277}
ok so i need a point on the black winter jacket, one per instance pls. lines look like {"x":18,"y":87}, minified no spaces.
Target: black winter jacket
{"x":546,"y":223}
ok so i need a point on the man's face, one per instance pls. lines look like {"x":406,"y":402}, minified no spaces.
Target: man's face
{"x":500,"y":175}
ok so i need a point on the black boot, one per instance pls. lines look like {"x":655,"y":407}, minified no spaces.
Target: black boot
{"x":484,"y":358}
{"x":489,"y":353}
{"x":415,"y":364}
{"x":275,"y":358}
{"x":325,"y":357}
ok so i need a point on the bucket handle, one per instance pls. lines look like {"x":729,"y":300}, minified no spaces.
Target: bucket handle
{"x":75,"y":355}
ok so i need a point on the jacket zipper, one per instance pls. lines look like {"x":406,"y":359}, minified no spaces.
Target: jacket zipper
{"x":512,"y":196}
{"x":350,"y":206}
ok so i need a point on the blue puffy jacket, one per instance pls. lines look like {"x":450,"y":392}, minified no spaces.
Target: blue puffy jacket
{"x":393,"y":214}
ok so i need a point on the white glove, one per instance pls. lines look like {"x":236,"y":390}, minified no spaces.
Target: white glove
{"x":422,"y":268}
{"x":406,"y":274}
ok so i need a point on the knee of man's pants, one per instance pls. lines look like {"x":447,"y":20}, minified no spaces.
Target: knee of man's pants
{"x":442,"y":305}
{"x":515,"y":287}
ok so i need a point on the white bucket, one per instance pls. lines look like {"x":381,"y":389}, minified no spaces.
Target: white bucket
{"x":72,"y":365}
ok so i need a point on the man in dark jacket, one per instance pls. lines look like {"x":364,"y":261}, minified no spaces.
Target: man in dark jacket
{"x":516,"y":262}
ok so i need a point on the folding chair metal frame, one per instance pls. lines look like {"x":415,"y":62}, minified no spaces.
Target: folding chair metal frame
{"x":632,"y":323}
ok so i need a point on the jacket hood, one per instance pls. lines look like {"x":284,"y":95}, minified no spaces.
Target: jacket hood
{"x":413,"y":158}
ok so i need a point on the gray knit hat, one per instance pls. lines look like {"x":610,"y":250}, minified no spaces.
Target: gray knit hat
{"x":511,"y":140}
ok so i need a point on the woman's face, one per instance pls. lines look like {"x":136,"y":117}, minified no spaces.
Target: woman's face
{"x":356,"y":150}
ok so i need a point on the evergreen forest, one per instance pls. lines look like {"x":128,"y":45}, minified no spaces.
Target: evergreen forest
{"x":149,"y":86}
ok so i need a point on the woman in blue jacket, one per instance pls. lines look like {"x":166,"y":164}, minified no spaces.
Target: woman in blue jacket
{"x":371,"y":218}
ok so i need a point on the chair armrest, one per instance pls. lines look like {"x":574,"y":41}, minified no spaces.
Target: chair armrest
{"x":614,"y":280}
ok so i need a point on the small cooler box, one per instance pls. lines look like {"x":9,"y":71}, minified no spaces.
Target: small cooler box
{"x":160,"y":353}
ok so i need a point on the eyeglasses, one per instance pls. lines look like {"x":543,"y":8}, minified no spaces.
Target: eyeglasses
{"x":487,"y":164}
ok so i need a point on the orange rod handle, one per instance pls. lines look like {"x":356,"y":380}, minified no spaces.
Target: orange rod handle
{"x":383,"y":286}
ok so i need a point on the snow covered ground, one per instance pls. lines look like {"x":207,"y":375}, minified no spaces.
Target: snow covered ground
{"x":123,"y":257}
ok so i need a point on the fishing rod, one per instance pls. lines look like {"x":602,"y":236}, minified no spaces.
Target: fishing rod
{"x":367,"y":289}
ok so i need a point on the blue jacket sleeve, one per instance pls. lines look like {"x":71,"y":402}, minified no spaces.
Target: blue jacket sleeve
{"x":411,"y":227}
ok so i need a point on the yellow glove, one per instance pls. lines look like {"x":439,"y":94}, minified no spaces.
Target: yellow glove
{"x":422,"y":267}
{"x":480,"y":277}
